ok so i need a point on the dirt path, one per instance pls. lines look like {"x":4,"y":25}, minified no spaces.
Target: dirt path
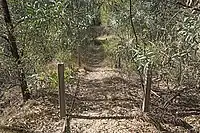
{"x":108,"y":92}
{"x":104,"y":92}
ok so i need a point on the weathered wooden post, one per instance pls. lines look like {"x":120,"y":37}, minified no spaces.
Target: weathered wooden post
{"x":147,"y":93}
{"x":61,"y":90}
{"x":79,"y":55}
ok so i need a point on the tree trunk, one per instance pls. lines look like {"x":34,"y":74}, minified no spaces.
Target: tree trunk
{"x":14,"y":49}
{"x":148,"y":81}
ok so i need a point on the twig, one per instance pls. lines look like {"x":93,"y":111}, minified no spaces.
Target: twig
{"x":153,"y":92}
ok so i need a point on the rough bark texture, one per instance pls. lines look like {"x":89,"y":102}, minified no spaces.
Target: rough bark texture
{"x":14,"y":49}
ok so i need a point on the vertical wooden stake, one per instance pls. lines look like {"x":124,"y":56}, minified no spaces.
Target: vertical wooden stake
{"x":79,"y":56}
{"x":61,"y":90}
{"x":147,"y":93}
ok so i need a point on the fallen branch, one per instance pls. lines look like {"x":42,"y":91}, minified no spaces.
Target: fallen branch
{"x":17,"y":129}
{"x":101,"y":117}
{"x":104,"y":100}
{"x":174,"y":96}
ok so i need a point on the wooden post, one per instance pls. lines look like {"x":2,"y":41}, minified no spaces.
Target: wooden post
{"x":61,"y":90}
{"x":79,"y":56}
{"x":147,"y":93}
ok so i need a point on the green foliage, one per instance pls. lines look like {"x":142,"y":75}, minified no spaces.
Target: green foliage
{"x":65,"y":56}
{"x":111,"y":48}
{"x":48,"y":78}
{"x":50,"y":30}
{"x":168,"y":36}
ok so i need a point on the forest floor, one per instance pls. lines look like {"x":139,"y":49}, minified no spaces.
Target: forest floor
{"x":102,"y":92}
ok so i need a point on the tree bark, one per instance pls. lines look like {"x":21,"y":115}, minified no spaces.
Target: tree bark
{"x":14,"y":49}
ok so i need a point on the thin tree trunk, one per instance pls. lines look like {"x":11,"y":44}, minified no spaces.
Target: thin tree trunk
{"x":132,"y":25}
{"x":14,"y":49}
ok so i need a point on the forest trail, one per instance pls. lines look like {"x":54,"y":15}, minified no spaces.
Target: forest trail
{"x":102,"y":92}
{"x":106,"y":92}
{"x":36,"y":36}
